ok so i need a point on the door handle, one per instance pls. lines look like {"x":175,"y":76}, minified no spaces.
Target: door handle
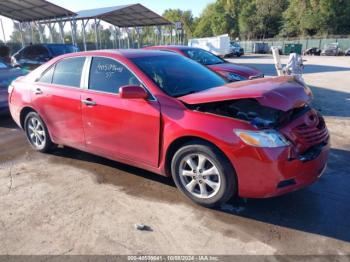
{"x":38,"y":91}
{"x":88,"y":102}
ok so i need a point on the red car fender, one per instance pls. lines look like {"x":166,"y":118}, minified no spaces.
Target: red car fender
{"x":189,"y":124}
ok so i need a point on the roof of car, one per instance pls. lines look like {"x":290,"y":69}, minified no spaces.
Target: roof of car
{"x":178,"y":47}
{"x":47,"y":45}
{"x":56,"y":44}
{"x":128,"y":53}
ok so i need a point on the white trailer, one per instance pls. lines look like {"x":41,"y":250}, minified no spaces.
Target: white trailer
{"x":218,"y":45}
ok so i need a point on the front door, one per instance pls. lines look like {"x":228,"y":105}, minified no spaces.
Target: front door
{"x":116,"y":127}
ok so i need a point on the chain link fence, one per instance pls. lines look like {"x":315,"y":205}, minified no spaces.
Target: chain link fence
{"x":343,"y":41}
{"x":248,"y":45}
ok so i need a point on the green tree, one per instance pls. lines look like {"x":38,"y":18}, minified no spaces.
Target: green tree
{"x":103,"y":34}
{"x":219,"y":18}
{"x":204,"y":23}
{"x":248,"y":20}
{"x":186,"y":17}
{"x":261,"y":18}
{"x":316,"y":17}
{"x":302,"y":17}
{"x":232,"y":9}
{"x":338,"y":18}
{"x":29,"y":35}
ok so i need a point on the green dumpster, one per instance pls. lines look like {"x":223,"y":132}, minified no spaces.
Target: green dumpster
{"x":289,"y":48}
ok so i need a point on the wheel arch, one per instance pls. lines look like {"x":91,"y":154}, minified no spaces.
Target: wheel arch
{"x":24,"y":112}
{"x":181,"y":141}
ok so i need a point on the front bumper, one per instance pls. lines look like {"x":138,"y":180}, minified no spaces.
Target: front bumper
{"x":264,"y":173}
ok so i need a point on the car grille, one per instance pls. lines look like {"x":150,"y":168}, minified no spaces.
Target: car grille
{"x":312,"y":132}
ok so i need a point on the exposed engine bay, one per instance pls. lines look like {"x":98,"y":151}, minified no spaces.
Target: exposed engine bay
{"x":250,"y":110}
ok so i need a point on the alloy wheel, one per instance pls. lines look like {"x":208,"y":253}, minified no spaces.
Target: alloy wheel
{"x":200,"y":176}
{"x":36,"y":132}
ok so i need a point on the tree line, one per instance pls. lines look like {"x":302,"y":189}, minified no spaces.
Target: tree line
{"x":259,"y":19}
{"x":245,"y":19}
{"x":31,"y":34}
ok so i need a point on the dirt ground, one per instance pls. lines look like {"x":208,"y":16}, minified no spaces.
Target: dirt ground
{"x":70,"y":202}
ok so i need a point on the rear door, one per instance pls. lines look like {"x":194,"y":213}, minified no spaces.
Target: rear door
{"x":116,"y":127}
{"x":56,"y":95}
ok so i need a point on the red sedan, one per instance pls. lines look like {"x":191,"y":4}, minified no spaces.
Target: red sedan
{"x":231,"y":72}
{"x":170,"y":115}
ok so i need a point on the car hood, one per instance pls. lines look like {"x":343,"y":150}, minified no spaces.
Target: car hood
{"x":242,"y":70}
{"x":8,"y":75}
{"x":283,"y":93}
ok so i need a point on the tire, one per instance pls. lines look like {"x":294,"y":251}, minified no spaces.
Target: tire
{"x":209,"y":184}
{"x":37,"y":133}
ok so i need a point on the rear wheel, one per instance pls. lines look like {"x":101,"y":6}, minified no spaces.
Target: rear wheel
{"x":203,"y":174}
{"x":36,"y":132}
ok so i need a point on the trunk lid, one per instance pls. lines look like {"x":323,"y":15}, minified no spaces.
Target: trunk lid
{"x":283,"y":93}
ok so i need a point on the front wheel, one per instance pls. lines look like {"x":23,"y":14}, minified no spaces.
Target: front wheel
{"x":203,"y":174}
{"x":36,"y":132}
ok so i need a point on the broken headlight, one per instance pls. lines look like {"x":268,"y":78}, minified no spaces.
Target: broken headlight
{"x":263,"y":138}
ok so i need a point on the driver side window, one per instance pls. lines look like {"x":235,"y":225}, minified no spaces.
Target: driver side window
{"x":108,"y":75}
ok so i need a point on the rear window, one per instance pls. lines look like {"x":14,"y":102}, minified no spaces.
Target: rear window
{"x":177,"y":75}
{"x":47,"y":76}
{"x":58,"y":50}
{"x":203,"y":57}
{"x":68,"y":72}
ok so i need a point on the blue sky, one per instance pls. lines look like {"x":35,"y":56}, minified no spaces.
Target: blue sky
{"x":196,"y":6}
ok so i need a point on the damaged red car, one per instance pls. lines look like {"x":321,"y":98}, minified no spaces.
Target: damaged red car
{"x":230,"y":71}
{"x":170,"y":115}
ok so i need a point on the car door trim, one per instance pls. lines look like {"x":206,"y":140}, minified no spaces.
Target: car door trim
{"x":84,"y":83}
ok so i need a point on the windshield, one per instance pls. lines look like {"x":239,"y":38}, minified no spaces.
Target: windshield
{"x":58,"y":50}
{"x":177,"y":75}
{"x":203,"y":57}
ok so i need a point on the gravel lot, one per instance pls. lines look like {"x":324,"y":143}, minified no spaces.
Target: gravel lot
{"x":70,"y":202}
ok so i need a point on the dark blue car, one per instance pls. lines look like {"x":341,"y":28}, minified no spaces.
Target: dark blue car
{"x":32,"y":56}
{"x":7,"y":75}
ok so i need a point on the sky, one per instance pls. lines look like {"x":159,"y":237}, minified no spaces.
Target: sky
{"x":158,"y":6}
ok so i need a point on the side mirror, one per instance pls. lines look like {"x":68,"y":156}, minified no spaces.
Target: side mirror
{"x":132,"y":92}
